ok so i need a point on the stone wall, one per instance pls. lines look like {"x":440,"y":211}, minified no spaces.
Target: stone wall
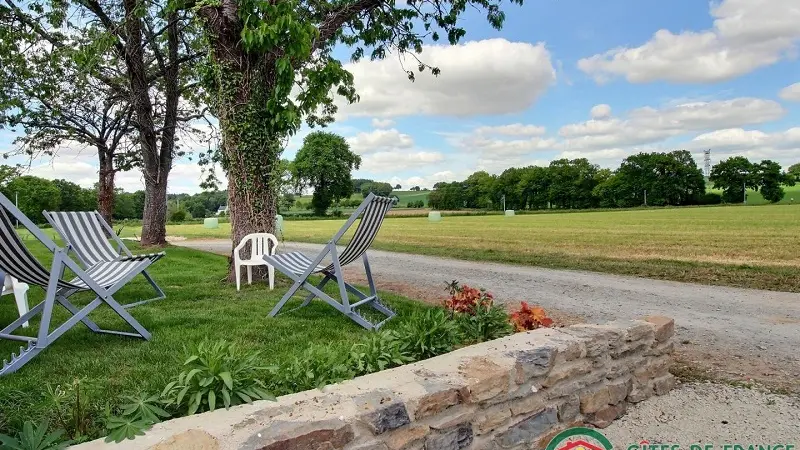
{"x":512,"y":393}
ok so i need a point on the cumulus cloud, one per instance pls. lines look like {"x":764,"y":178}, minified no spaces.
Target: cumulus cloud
{"x":746,"y":35}
{"x":396,"y":160}
{"x":514,"y":129}
{"x":492,"y":76}
{"x":600,"y":112}
{"x":791,"y":93}
{"x":382,"y":123}
{"x":648,"y":125}
{"x":783,"y":146}
{"x":379,"y":140}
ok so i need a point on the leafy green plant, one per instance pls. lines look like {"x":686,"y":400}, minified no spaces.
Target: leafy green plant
{"x":317,"y":367}
{"x":429,"y":333}
{"x":30,"y":438}
{"x":71,"y":406}
{"x":136,"y":417}
{"x":484,"y":323}
{"x":217,"y":373}
{"x":379,"y":351}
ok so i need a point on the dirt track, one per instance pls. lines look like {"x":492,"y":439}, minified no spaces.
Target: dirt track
{"x":736,"y":333}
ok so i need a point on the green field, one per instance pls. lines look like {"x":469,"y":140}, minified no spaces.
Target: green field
{"x":792,"y":196}
{"x":754,"y":246}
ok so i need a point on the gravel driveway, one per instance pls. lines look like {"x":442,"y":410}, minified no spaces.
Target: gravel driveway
{"x":736,"y":333}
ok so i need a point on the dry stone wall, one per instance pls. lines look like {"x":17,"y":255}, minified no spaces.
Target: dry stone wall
{"x":512,"y":393}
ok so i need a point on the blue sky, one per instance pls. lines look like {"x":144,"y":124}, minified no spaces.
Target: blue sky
{"x":568,"y":78}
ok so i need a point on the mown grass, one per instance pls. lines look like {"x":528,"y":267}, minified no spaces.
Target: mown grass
{"x":754,"y":247}
{"x":199,"y":305}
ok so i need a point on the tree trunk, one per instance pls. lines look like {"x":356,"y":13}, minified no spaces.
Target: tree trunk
{"x":244,"y":84}
{"x":154,"y":229}
{"x":105,"y":187}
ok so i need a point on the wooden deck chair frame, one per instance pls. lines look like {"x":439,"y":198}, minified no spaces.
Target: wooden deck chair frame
{"x":334,"y":272}
{"x":58,"y":291}
{"x":122,"y":252}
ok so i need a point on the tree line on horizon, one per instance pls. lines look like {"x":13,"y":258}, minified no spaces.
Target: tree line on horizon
{"x":652,"y":179}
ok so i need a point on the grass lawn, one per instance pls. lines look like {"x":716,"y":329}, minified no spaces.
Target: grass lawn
{"x":199,"y":305}
{"x":792,"y":196}
{"x":756,"y":247}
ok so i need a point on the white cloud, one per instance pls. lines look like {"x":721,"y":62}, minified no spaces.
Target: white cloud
{"x":746,"y":35}
{"x":397,"y":160}
{"x":600,"y":112}
{"x":379,"y":140}
{"x":649,"y":125}
{"x":783,"y":146}
{"x":492,"y":76}
{"x":382,"y":123}
{"x":514,"y":129}
{"x":791,"y":93}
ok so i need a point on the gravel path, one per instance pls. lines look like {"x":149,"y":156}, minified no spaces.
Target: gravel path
{"x":737,"y":333}
{"x":710,"y":413}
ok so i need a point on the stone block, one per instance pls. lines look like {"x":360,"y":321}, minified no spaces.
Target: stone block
{"x":282,"y":435}
{"x":529,"y":404}
{"x":528,"y":430}
{"x":372,"y":445}
{"x":598,"y":338}
{"x":664,"y":384}
{"x":619,"y":389}
{"x":624,"y":366}
{"x":661,"y":348}
{"x":387,"y":418}
{"x":653,"y":368}
{"x":488,"y":419}
{"x":544,"y":441}
{"x":452,"y":417}
{"x":605,"y":416}
{"x":189,"y":440}
{"x":595,"y":400}
{"x":533,"y":363}
{"x":567,"y":371}
{"x":664,"y":327}
{"x":485,"y":379}
{"x":436,"y":402}
{"x":457,"y":438}
{"x":405,"y":438}
{"x":568,"y":408}
{"x":641,"y":392}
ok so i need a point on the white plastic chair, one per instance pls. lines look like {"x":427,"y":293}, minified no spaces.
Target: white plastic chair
{"x":260,"y":244}
{"x":20,"y":291}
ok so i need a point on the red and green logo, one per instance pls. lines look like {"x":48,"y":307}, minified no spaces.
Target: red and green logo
{"x":579,"y":438}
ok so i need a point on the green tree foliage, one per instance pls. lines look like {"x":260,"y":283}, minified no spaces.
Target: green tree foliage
{"x":415,"y":188}
{"x":732,"y":176}
{"x":377,"y":188}
{"x":74,"y":197}
{"x":358,"y":182}
{"x":34,"y":196}
{"x":794,"y":170}
{"x":770,"y":179}
{"x":447,"y":196}
{"x":480,"y":190}
{"x":325,"y":163}
{"x":572,"y":183}
{"x":8,"y":173}
{"x":398,"y":187}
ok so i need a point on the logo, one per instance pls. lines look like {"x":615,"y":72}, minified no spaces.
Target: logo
{"x":579,"y":438}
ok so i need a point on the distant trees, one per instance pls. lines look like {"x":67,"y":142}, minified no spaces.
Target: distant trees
{"x":415,"y":188}
{"x":794,"y":171}
{"x":398,"y":187}
{"x":33,"y":195}
{"x":325,"y":162}
{"x":735,"y":174}
{"x":382,"y":189}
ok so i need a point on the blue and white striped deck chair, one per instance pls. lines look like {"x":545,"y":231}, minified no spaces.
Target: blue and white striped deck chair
{"x":103,"y":279}
{"x":299,"y":267}
{"x":87,"y":234}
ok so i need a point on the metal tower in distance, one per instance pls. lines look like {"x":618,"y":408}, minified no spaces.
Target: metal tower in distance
{"x":707,"y":163}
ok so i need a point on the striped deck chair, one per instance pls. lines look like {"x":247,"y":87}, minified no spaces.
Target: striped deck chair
{"x":299,"y":267}
{"x":103,"y":279}
{"x":87,"y":234}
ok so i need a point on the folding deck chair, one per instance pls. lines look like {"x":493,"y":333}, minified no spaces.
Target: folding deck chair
{"x":87,"y":234}
{"x":299,"y":267}
{"x":104,"y":279}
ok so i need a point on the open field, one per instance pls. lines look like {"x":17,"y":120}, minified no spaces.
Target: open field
{"x":756,"y":247}
{"x":755,"y":198}
{"x":199,"y":305}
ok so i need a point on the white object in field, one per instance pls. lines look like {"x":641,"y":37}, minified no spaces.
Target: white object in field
{"x":434,"y":216}
{"x":279,"y":225}
{"x":260,"y":244}
{"x":20,"y":291}
{"x":509,"y":213}
{"x":211,"y":222}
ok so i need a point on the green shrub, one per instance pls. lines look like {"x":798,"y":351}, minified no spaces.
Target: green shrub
{"x":486,"y":322}
{"x":30,"y":438}
{"x":317,"y":367}
{"x":178,"y":216}
{"x":136,"y":417}
{"x":429,"y":334}
{"x":710,"y":198}
{"x":379,"y":351}
{"x":217,"y":373}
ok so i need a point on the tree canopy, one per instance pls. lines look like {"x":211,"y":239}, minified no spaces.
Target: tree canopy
{"x":325,"y":163}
